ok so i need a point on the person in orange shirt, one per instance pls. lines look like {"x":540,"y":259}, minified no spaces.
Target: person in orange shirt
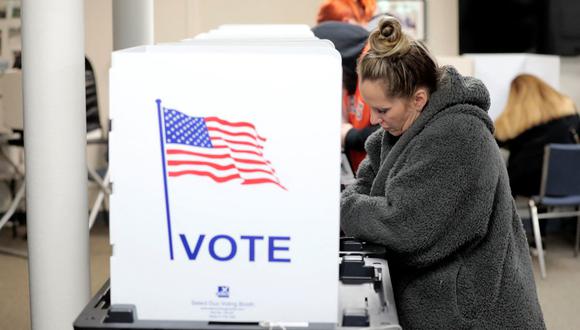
{"x":357,"y":128}
{"x":349,"y":11}
{"x":343,"y":22}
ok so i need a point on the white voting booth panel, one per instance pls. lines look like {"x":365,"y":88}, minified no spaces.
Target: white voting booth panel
{"x":271,"y":29}
{"x":225,"y":45}
{"x":498,"y":70}
{"x":224,"y":163}
{"x":288,"y":31}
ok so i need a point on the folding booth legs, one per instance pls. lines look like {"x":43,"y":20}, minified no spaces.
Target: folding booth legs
{"x":104,"y":191}
{"x":13,"y":205}
{"x":577,"y":243}
{"x":537,"y":237}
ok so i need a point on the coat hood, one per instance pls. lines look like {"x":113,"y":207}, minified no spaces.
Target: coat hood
{"x":457,"y":90}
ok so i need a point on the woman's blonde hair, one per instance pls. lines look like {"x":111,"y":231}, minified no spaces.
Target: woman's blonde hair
{"x":401,"y":63}
{"x":531,"y":102}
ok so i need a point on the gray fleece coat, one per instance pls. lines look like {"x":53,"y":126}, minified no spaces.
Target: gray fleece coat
{"x":439,"y":199}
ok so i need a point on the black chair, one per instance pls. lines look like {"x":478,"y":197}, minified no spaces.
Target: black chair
{"x":96,"y":136}
{"x":11,"y":86}
{"x":559,"y":192}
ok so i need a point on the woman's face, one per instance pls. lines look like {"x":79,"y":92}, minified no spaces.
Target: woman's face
{"x":395,"y":115}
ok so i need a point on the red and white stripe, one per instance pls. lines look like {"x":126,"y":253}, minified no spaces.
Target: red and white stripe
{"x":237,"y":154}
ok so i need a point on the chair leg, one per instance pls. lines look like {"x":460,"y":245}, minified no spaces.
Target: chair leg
{"x":577,"y":243}
{"x":106,"y":203}
{"x":537,"y":237}
{"x":13,"y":205}
{"x":95,"y":209}
{"x":101,"y":197}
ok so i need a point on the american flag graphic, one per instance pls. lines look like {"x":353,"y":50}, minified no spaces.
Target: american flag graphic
{"x":215,"y":148}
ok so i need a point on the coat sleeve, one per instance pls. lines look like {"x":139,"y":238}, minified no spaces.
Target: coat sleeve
{"x":438,"y":202}
{"x":368,"y":168}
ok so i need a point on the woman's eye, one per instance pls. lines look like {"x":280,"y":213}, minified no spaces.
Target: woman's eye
{"x":381,"y":111}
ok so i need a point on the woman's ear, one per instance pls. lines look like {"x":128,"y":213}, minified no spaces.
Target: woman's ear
{"x":420,"y":99}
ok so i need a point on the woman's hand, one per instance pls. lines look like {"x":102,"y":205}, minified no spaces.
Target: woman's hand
{"x":344,"y":130}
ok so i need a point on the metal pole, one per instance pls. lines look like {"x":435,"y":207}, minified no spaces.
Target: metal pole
{"x":55,"y":158}
{"x":132,"y":23}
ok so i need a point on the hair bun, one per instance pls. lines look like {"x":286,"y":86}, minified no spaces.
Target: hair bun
{"x":388,"y":39}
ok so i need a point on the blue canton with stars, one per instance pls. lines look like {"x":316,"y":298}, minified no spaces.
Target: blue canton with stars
{"x":183,"y":129}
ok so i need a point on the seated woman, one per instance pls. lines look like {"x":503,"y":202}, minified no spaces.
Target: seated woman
{"x":535,"y":115}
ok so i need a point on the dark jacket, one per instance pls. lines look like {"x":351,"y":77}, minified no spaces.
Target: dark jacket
{"x":349,"y":40}
{"x":439,"y":199}
{"x":527,"y":152}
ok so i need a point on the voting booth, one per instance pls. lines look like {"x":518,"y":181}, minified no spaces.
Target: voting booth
{"x":224,"y":165}
{"x":261,"y":31}
{"x":497,"y":71}
{"x":225,"y":169}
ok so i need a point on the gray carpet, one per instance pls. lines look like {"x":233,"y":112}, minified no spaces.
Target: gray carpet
{"x":559,"y":293}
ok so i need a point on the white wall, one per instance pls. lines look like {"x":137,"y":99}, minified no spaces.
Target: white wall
{"x":570,"y":78}
{"x":443,"y":26}
{"x":178,"y":19}
{"x":172,"y":20}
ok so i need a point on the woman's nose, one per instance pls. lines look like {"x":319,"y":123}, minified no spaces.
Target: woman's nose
{"x":375,"y":119}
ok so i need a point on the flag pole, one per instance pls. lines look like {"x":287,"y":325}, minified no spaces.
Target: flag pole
{"x":163,"y":163}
